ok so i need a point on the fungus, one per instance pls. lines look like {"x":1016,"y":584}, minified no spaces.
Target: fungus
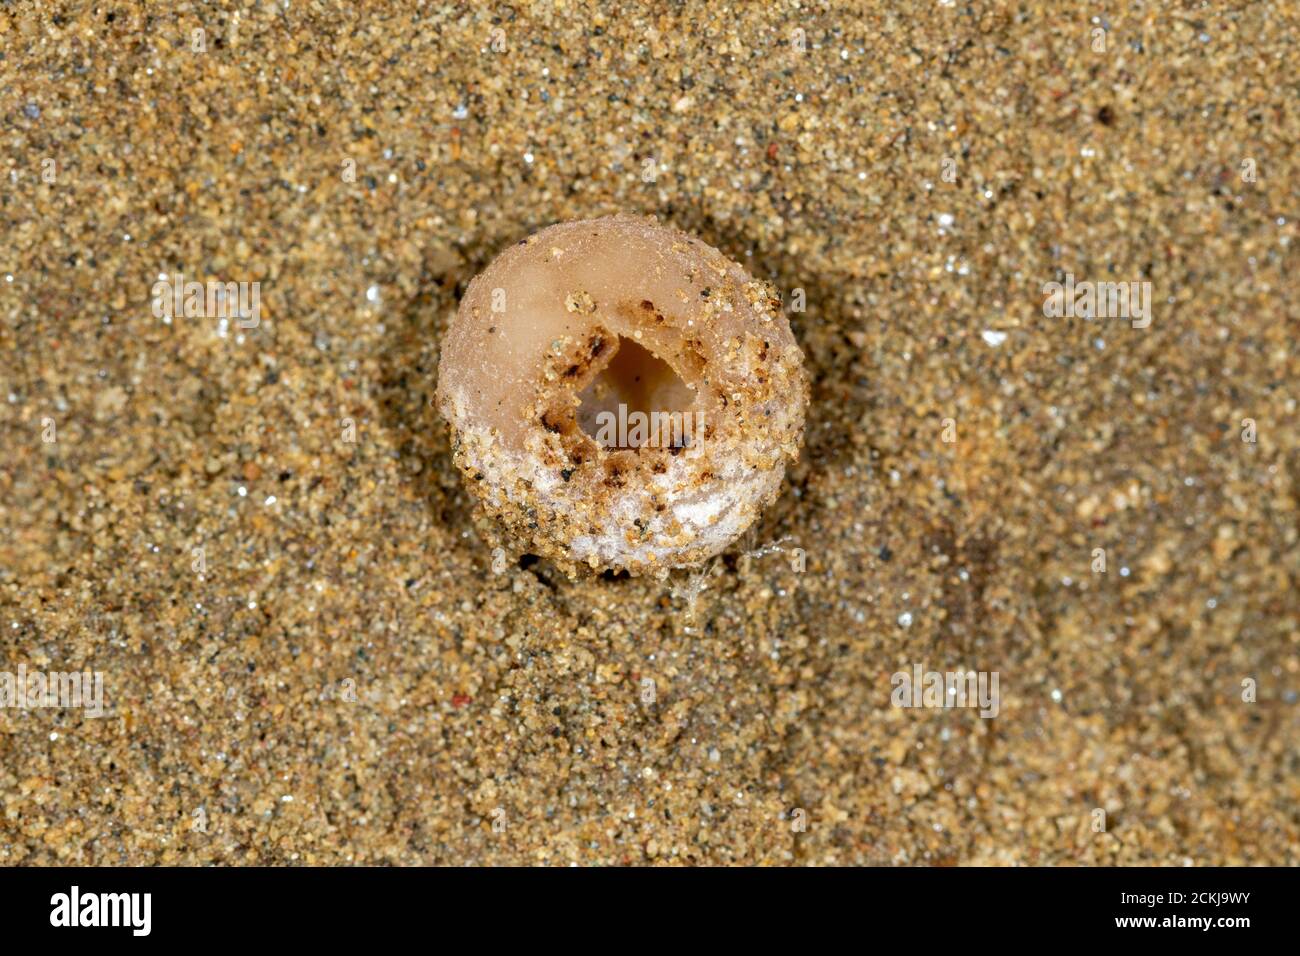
{"x":621,"y":395}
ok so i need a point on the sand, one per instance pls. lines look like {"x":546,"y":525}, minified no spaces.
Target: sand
{"x":309,"y":654}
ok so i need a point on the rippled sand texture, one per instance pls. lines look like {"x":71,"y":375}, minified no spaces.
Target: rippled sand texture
{"x":311,"y":655}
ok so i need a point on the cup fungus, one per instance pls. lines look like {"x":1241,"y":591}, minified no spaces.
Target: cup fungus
{"x":621,"y":395}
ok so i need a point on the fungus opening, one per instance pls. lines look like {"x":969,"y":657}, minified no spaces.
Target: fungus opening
{"x":637,"y":400}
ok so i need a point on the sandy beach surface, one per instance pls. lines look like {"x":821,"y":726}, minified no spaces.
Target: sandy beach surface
{"x":256,"y":536}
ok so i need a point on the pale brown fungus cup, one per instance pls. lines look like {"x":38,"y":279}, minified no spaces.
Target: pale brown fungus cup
{"x":622,"y":395}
